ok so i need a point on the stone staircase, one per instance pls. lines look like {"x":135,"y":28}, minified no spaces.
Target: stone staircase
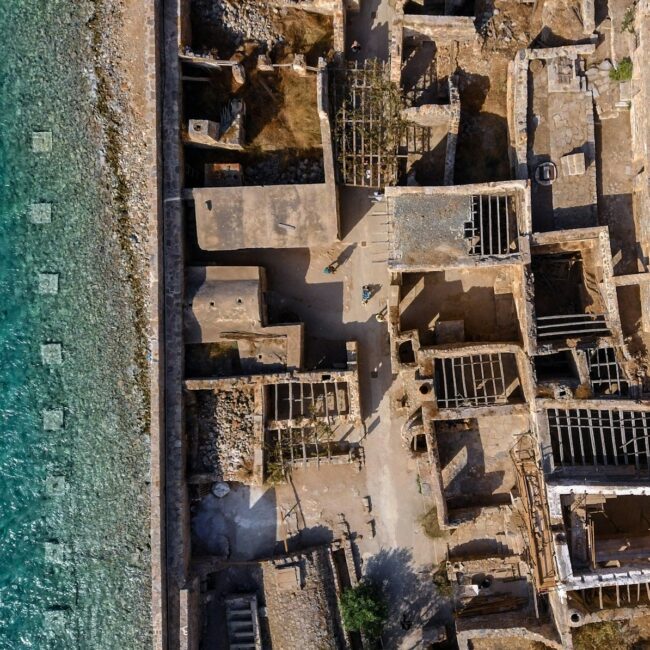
{"x":243,"y":622}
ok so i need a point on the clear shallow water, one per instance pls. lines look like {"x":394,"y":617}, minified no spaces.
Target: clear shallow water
{"x":74,"y":557}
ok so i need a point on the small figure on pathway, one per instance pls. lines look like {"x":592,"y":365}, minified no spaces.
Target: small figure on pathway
{"x":356,"y":47}
{"x":405,"y":622}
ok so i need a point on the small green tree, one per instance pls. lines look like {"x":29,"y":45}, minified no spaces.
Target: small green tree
{"x":623,"y":71}
{"x":364,"y":609}
{"x":443,"y":586}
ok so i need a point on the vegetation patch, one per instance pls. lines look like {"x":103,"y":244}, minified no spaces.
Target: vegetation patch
{"x":430,"y":525}
{"x":364,"y":609}
{"x":596,"y":636}
{"x":627,"y":24}
{"x":441,"y":581}
{"x":623,"y":71}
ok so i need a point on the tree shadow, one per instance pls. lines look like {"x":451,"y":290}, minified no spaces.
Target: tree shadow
{"x":310,"y":536}
{"x":410,"y":593}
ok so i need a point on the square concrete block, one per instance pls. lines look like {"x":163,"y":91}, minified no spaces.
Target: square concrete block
{"x":40,"y":213}
{"x":48,"y":283}
{"x":41,"y":141}
{"x":55,"y":485}
{"x":53,"y":419}
{"x":55,"y":620}
{"x":54,"y":553}
{"x":573,"y":164}
{"x":51,"y":354}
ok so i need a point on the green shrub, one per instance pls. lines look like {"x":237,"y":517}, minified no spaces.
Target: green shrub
{"x":443,"y":586}
{"x":627,"y":24}
{"x":623,"y":71}
{"x":364,"y":609}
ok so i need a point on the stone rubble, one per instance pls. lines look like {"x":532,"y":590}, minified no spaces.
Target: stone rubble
{"x":226,"y":432}
{"x":245,"y":20}
{"x":271,"y":172}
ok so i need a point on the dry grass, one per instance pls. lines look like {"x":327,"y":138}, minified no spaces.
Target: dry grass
{"x":429,"y":523}
{"x":246,"y":470}
{"x":282,"y":112}
{"x":305,"y":33}
{"x":583,"y":392}
{"x":596,"y":636}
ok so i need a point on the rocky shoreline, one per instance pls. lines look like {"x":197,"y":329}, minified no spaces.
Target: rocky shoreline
{"x":124,"y":47}
{"x":127,"y":157}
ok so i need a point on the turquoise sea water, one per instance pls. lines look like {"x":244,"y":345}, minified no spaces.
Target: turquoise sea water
{"x":74,"y":557}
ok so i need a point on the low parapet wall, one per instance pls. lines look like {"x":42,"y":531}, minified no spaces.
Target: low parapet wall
{"x":190,"y":616}
{"x":641,"y":137}
{"x":517,"y":99}
{"x":322,"y":105}
{"x":177,"y":527}
{"x":441,"y":29}
{"x":507,"y":625}
{"x":152,"y":39}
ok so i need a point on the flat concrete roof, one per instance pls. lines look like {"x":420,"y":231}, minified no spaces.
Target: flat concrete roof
{"x":221,"y":299}
{"x":427,"y":225}
{"x":271,"y":216}
{"x":430,"y":228}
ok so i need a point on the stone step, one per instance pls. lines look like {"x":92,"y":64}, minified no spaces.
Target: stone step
{"x":241,"y":625}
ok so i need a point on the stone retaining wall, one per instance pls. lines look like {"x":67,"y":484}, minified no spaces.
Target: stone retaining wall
{"x":176,"y":505}
{"x":152,"y":116}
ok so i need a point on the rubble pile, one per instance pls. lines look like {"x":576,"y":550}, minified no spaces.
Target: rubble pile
{"x":610,"y":96}
{"x":271,"y":172}
{"x":245,"y":20}
{"x":226,"y":432}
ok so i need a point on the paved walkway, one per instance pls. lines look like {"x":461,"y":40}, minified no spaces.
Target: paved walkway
{"x":370,"y":27}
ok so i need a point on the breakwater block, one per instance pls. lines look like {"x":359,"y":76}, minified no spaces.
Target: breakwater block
{"x":55,"y":485}
{"x":48,"y":283}
{"x":52,"y":354}
{"x":40,"y":213}
{"x":41,"y":141}
{"x":52,"y":419}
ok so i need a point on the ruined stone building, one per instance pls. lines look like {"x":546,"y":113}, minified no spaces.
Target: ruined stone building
{"x":406,"y":320}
